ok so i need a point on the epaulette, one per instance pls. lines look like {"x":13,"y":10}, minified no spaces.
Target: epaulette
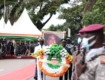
{"x":102,"y":59}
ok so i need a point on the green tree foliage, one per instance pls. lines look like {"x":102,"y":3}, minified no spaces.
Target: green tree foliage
{"x":89,"y":12}
{"x":37,"y":9}
{"x":56,"y":28}
{"x":52,"y":28}
{"x":96,"y":15}
{"x":73,"y":18}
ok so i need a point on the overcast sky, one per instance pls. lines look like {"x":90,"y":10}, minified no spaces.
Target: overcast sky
{"x":54,"y":20}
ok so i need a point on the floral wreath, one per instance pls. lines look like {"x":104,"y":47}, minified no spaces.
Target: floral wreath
{"x":53,"y":61}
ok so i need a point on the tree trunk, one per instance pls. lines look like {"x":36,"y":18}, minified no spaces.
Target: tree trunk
{"x":13,"y":11}
{"x":89,"y":6}
{"x":40,"y":25}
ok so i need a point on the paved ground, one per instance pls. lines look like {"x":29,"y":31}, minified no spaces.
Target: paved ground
{"x":7,"y":65}
{"x":47,"y":78}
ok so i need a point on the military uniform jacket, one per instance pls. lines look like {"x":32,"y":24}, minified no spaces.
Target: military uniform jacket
{"x":76,"y":59}
{"x":95,"y":67}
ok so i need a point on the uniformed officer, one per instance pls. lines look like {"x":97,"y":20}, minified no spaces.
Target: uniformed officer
{"x":93,"y":67}
{"x":38,"y":73}
{"x":66,"y":43}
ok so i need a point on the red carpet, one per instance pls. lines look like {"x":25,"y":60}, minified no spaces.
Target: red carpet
{"x":23,"y":73}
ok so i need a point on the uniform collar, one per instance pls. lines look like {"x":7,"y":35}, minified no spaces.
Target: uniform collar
{"x":93,"y":52}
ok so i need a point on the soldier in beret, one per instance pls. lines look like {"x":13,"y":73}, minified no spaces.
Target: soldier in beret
{"x":92,"y":64}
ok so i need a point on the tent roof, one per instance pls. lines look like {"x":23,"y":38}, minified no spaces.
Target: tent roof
{"x":7,"y":27}
{"x":24,"y":25}
{"x":22,"y":28}
{"x":1,"y":24}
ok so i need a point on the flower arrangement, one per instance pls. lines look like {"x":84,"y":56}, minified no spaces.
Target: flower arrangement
{"x":54,"y":51}
{"x":47,"y":56}
{"x":38,"y":53}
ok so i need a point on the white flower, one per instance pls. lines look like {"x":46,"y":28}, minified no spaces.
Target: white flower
{"x":63,"y":52}
{"x":47,"y":51}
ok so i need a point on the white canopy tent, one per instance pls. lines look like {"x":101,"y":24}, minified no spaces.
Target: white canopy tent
{"x":25,"y":26}
{"x":2,"y":24}
{"x":22,"y":28}
{"x":7,"y":27}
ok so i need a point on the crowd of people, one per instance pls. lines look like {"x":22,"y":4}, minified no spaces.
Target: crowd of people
{"x":16,"y":48}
